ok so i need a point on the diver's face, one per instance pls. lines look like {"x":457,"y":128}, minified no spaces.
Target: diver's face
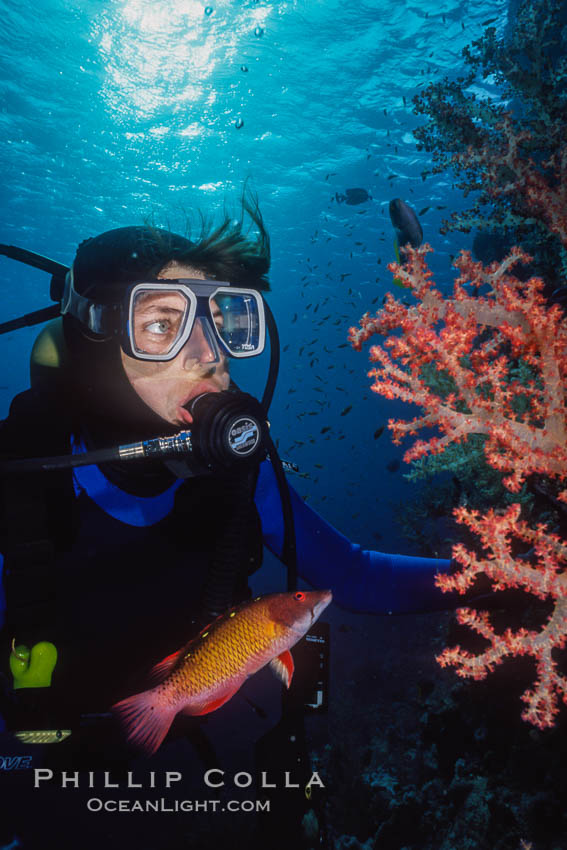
{"x":166,"y":386}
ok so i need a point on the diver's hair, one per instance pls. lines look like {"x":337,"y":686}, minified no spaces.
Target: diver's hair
{"x":226,"y":252}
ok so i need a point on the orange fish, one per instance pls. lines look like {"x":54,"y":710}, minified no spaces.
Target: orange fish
{"x":208,"y":671}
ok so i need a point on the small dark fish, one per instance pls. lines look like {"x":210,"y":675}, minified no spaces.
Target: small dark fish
{"x":424,"y":210}
{"x":346,"y":274}
{"x":406,"y":223}
{"x":325,"y":429}
{"x":378,"y":432}
{"x":285,"y":348}
{"x":294,"y":318}
{"x":559,"y":296}
{"x":353,"y":197}
{"x":256,"y":709}
{"x":393,"y":466}
{"x":343,"y":345}
{"x":347,"y":410}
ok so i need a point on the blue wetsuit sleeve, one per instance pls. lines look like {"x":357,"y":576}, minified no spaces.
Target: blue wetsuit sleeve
{"x":361,"y":580}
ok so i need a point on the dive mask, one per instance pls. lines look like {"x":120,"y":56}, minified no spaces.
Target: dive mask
{"x":158,"y":317}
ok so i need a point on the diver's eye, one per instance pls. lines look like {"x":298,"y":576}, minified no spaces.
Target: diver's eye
{"x":158,"y":327}
{"x":299,"y":596}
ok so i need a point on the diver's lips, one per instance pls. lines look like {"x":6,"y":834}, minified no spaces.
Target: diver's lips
{"x":204,"y":387}
{"x":184,"y":416}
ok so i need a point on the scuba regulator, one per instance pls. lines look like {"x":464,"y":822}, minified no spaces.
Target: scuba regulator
{"x":230,"y":430}
{"x":229,"y":436}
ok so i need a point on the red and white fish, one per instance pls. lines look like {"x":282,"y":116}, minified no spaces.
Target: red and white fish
{"x":210,"y":669}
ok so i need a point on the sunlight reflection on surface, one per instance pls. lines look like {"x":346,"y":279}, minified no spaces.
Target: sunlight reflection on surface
{"x":172,"y":58}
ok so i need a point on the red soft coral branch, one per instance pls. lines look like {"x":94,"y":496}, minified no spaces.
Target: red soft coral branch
{"x":546,"y":579}
{"x":508,"y":172}
{"x":479,"y":342}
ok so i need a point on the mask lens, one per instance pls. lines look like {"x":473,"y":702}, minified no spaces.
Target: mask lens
{"x":158,"y":320}
{"x":237,"y":321}
{"x":202,"y":345}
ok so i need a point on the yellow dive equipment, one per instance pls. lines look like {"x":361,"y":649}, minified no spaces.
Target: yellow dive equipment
{"x":33,"y":668}
{"x":49,"y":354}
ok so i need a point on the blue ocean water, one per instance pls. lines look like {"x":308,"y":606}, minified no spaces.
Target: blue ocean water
{"x":125,"y":111}
{"x":117,"y":112}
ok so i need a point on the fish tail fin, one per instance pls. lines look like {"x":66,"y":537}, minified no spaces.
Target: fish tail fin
{"x":145,"y":721}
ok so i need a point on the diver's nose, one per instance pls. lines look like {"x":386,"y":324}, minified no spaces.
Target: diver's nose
{"x":201,"y":347}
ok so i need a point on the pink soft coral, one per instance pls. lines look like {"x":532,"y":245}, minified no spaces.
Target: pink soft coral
{"x":479,"y":340}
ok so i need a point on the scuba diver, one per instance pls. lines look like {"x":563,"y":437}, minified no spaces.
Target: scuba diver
{"x":139,"y":486}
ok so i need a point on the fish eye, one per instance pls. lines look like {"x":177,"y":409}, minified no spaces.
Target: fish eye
{"x":299,"y":596}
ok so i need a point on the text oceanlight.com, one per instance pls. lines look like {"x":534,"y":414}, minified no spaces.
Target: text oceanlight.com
{"x":95,"y":804}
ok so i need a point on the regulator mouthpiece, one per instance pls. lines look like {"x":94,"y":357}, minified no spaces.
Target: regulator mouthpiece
{"x":228,"y":430}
